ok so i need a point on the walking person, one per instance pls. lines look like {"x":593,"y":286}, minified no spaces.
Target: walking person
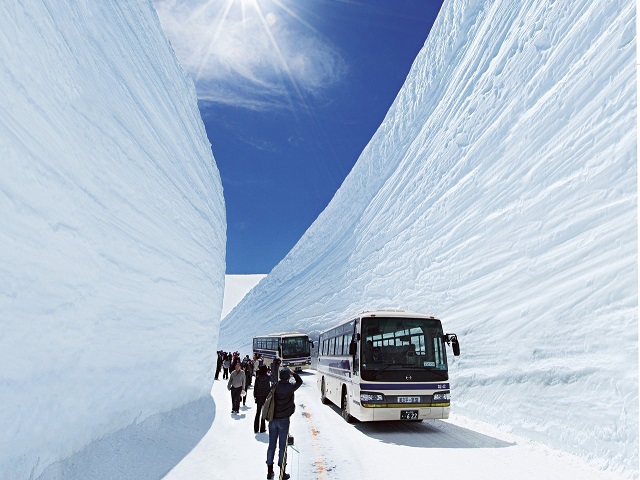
{"x":260,"y":391}
{"x":226,"y":363}
{"x":219,"y":363}
{"x":249,"y":371}
{"x":235,"y":359}
{"x":279,"y":426}
{"x":236,"y":385}
{"x":243,"y":367}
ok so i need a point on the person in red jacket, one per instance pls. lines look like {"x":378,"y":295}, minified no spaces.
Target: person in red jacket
{"x":279,"y":426}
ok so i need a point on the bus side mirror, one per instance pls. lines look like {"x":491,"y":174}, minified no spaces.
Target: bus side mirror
{"x":311,"y":342}
{"x":452,"y":339}
{"x":456,"y":347}
{"x":353,"y":347}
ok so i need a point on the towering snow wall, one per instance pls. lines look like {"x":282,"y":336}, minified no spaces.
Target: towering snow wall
{"x":499,"y":193}
{"x":112,"y":229}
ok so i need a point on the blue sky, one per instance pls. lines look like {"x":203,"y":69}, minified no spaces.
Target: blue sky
{"x":290,"y":92}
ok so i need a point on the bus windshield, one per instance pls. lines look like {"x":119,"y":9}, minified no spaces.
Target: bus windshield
{"x":393,"y":347}
{"x":295,"y":347}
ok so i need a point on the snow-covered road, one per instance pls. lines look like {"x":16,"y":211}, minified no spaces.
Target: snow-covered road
{"x":327,"y":448}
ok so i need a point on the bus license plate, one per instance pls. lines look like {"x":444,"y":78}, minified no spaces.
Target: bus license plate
{"x":408,"y":399}
{"x":408,"y":414}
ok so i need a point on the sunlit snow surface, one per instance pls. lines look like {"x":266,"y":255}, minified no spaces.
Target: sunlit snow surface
{"x":112,"y":229}
{"x":499,"y":194}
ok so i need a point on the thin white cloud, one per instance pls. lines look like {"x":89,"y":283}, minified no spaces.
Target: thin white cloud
{"x":249,"y":53}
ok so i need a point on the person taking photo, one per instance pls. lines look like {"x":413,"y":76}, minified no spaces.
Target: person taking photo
{"x":279,"y":425}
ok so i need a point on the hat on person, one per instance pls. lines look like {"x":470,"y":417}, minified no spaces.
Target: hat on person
{"x":285,"y":374}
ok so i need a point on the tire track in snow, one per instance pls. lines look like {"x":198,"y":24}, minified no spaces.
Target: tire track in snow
{"x":320,"y":465}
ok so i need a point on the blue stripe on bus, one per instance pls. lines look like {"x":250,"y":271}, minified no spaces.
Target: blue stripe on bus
{"x":330,"y":362}
{"x":405,"y":386}
{"x":266,"y":353}
{"x":341,"y":377}
{"x":272,"y":354}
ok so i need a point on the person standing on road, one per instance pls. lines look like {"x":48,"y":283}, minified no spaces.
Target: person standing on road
{"x":236,"y":385}
{"x":260,"y":391}
{"x":219,"y":363}
{"x":275,"y":368}
{"x":226,"y":363}
{"x":246,"y":385}
{"x":279,"y":426}
{"x":248,"y":370}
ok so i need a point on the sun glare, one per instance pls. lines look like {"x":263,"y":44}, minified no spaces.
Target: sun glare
{"x":268,"y":15}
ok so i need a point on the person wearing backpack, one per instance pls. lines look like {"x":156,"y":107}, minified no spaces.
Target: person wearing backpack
{"x":261,"y":389}
{"x":279,"y":426}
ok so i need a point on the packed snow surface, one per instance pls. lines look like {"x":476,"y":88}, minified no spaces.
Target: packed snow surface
{"x":327,"y":448}
{"x":112,"y":229}
{"x":498,"y":194}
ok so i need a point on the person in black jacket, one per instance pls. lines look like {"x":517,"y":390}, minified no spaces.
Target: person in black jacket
{"x":260,"y":391}
{"x":279,"y":426}
{"x":275,"y":369}
{"x":219,"y":363}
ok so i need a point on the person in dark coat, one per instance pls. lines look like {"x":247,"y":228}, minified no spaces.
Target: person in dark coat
{"x":219,"y":363}
{"x":260,"y":391}
{"x":226,"y":363}
{"x":279,"y":426}
{"x":234,"y":359}
{"x":243,"y":367}
{"x":275,"y":368}
{"x":248,"y":370}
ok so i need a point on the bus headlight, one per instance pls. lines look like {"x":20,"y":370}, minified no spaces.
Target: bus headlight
{"x":441,"y":397}
{"x":371,"y":397}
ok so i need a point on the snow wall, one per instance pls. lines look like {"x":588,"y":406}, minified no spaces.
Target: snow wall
{"x":112,"y":229}
{"x":499,"y":194}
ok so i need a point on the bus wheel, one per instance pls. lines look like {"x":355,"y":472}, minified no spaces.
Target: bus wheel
{"x":345,"y":407}
{"x":323,"y":393}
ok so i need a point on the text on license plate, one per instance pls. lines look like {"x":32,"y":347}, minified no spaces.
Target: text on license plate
{"x":408,"y":399}
{"x":408,"y":414}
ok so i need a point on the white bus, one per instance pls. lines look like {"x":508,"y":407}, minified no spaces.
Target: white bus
{"x":293,"y":349}
{"x":386,"y":365}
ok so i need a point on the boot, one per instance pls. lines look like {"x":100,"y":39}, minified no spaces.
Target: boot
{"x":286,"y":476}
{"x":270,"y":474}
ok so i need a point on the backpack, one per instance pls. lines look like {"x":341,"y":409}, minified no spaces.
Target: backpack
{"x":269,"y":407}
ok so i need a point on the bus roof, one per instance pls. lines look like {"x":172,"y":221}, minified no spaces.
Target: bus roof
{"x":392,"y":313}
{"x":286,"y":334}
{"x":381,"y":313}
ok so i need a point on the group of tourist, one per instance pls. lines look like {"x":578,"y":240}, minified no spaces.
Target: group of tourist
{"x":267,"y":378}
